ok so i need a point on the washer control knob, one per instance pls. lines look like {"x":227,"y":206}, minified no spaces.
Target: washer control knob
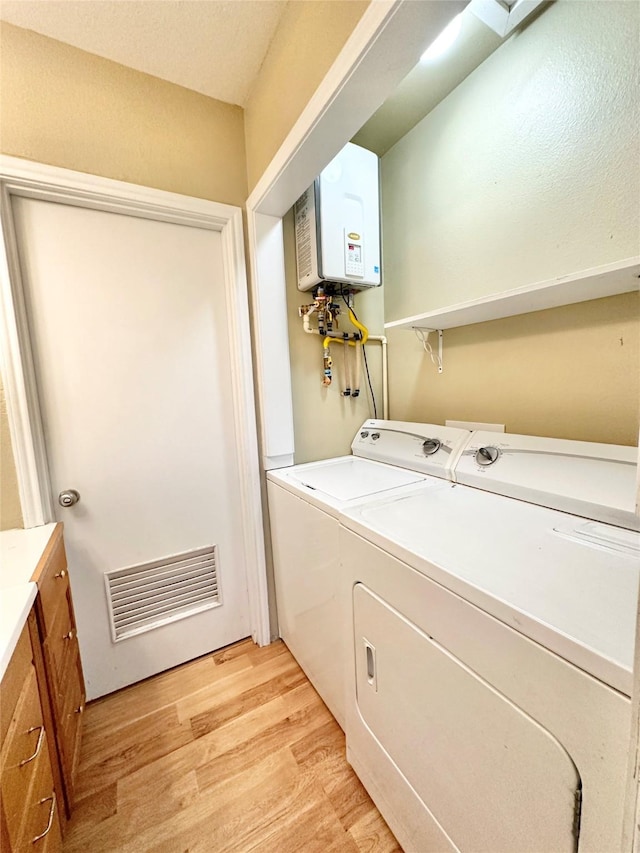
{"x":375,"y":436}
{"x":487,"y":456}
{"x":431,"y":446}
{"x":364,"y":434}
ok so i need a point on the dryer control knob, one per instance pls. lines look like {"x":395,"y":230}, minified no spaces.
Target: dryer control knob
{"x":375,"y":436}
{"x":487,"y":456}
{"x":364,"y":434}
{"x":431,"y":446}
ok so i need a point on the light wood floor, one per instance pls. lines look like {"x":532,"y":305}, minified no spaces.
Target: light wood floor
{"x":232,"y":752}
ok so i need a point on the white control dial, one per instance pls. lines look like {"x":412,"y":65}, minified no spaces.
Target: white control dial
{"x":431,"y":446}
{"x":487,"y":455}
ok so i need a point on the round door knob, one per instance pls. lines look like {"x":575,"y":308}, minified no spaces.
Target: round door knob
{"x":487,"y":456}
{"x":68,"y":498}
{"x":431,"y":446}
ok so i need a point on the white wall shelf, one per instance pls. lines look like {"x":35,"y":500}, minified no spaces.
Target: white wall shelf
{"x":608,"y":280}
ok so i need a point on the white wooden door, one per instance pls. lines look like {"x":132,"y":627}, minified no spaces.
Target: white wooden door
{"x":130,"y":340}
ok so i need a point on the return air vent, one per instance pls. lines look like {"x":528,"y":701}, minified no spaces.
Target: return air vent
{"x":149,"y":595}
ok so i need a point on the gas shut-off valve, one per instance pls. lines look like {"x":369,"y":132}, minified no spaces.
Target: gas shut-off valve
{"x":327,"y":313}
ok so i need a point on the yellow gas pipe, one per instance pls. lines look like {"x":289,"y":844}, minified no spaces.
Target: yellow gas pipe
{"x":327,"y":361}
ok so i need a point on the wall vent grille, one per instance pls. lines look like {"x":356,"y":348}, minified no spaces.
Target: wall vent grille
{"x":149,"y":595}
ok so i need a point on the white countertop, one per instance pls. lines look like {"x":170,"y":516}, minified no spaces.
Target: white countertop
{"x":20,"y":551}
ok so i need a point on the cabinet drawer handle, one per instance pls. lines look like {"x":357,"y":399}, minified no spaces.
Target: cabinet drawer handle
{"x":61,"y":574}
{"x":38,"y":745}
{"x":51,"y":799}
{"x":70,"y":635}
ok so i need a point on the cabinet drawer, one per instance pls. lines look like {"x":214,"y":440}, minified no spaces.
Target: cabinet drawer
{"x":23,"y":744}
{"x":53,"y":586}
{"x":13,"y":681}
{"x":59,"y":664}
{"x":68,"y":712}
{"x":58,"y":648}
{"x":74,"y":698}
{"x":52,"y":843}
{"x":41,"y":807}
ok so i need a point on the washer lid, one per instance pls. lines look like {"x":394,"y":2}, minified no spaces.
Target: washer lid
{"x":597,"y":481}
{"x":349,"y":478}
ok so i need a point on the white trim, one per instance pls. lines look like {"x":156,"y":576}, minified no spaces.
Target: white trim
{"x":631,"y":828}
{"x":384,"y":46}
{"x":500,"y":18}
{"x":50,"y":183}
{"x":246,"y":431}
{"x":34,"y":180}
{"x":387,"y":42}
{"x":23,"y":414}
{"x":275,"y":175}
{"x":273,"y":462}
{"x":273,"y":370}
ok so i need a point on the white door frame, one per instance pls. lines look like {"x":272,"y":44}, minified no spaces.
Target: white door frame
{"x":48,"y":183}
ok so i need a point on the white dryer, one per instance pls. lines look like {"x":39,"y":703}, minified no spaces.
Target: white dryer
{"x":493,"y":647}
{"x":304,"y":504}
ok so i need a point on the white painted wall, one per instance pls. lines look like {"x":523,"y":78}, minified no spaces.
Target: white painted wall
{"x":528,"y":170}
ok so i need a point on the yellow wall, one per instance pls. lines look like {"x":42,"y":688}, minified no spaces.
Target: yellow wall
{"x":324,"y":421}
{"x":65,"y":107}
{"x":569,"y":372}
{"x":528,"y":170}
{"x":10,"y":510}
{"x":309,"y":37}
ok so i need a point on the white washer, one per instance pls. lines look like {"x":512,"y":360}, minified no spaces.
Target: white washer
{"x":493,"y":649}
{"x":304,"y":504}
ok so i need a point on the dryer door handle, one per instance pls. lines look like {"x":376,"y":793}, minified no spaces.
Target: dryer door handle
{"x":370,"y":662}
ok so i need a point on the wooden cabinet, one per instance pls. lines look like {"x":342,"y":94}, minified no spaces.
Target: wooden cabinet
{"x":61,"y":659}
{"x":42,"y":696}
{"x":29,"y":818}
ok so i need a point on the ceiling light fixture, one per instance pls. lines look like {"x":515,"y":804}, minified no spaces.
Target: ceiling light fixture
{"x":444,"y":41}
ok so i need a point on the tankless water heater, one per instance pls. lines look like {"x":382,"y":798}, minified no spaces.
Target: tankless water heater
{"x":337,"y":223}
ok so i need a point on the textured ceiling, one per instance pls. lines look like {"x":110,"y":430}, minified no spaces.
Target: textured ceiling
{"x":215,"y":47}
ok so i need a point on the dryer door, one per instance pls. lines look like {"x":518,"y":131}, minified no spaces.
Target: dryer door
{"x":490,"y":775}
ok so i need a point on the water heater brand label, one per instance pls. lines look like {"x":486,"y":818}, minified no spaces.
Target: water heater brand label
{"x":354,"y":260}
